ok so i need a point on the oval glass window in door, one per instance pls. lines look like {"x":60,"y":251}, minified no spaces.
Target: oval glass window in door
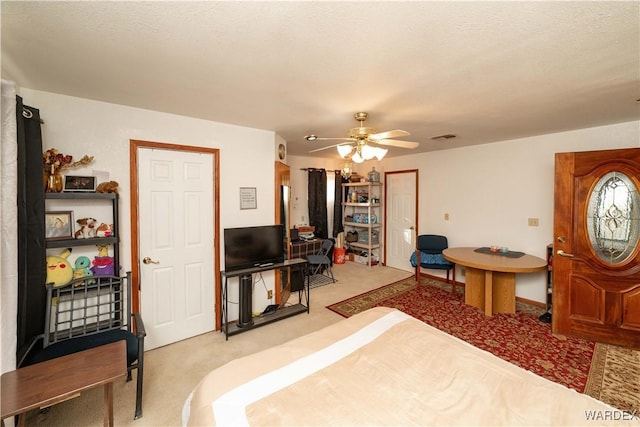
{"x":613,"y":217}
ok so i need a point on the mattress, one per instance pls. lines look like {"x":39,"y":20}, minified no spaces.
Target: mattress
{"x":384,"y":367}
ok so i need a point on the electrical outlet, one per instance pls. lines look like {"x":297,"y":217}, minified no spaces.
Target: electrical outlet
{"x":446,"y":217}
{"x":533,"y":222}
{"x":269,"y":294}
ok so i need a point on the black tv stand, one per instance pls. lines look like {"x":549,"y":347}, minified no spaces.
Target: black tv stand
{"x":246,"y":321}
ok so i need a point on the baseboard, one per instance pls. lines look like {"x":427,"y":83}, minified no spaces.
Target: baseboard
{"x":531,"y":302}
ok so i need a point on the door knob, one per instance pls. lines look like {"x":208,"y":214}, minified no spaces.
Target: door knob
{"x":564,"y":254}
{"x":148,"y":260}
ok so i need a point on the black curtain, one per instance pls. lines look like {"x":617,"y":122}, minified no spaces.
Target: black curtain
{"x":31,"y":248}
{"x":337,"y":204}
{"x":317,"y":193}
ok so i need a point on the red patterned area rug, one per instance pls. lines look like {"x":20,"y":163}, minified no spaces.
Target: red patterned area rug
{"x":519,"y":338}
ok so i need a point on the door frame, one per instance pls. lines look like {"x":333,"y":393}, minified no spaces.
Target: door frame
{"x":134,"y":145}
{"x":387,"y":206}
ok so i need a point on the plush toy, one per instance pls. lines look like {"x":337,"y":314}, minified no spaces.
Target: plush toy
{"x":103,"y":266}
{"x":103,"y":250}
{"x":104,"y":230}
{"x":107,"y":187}
{"x":59,"y":270}
{"x":87,"y":228}
{"x":82,"y":268}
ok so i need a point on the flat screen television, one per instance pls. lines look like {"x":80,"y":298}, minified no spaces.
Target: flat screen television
{"x":247,"y":247}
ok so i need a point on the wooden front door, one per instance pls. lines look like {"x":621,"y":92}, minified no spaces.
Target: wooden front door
{"x":596,"y":263}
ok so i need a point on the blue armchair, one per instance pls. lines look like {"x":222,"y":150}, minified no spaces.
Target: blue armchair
{"x":429,"y":248}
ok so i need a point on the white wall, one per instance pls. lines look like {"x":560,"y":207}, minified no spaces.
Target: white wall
{"x":489,"y":191}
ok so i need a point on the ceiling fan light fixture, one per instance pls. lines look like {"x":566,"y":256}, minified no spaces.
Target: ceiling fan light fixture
{"x":368,"y":152}
{"x":359,"y":138}
{"x":357,"y":157}
{"x":381,"y":152}
{"x":344,"y":150}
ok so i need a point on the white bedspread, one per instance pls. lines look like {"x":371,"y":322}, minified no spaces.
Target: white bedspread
{"x":383,"y":367}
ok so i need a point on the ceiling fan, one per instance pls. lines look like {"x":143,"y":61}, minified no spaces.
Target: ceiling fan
{"x":358,"y":148}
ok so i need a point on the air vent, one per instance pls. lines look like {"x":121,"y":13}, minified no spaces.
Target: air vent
{"x":443,"y":137}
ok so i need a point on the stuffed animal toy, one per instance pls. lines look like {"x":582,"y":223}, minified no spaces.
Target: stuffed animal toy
{"x":103,"y":250}
{"x":87,"y":228}
{"x":59,"y":270}
{"x":103,"y":266}
{"x":107,"y":187}
{"x":104,"y":230}
{"x":82,"y":268}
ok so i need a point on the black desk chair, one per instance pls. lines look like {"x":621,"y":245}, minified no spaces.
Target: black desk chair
{"x":89,"y":312}
{"x":320,"y":263}
{"x":429,"y":248}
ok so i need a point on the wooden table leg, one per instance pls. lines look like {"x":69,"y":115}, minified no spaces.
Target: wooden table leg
{"x":488,"y":293}
{"x":474,"y":288}
{"x":504,"y":292}
{"x":108,"y":405}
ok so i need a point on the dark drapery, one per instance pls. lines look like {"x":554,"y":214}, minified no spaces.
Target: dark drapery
{"x":31,"y":249}
{"x":337,"y":204}
{"x":317,"y":193}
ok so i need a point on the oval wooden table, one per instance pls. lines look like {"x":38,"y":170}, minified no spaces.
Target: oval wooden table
{"x":490,"y":283}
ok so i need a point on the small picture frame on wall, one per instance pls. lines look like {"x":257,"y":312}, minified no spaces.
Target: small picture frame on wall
{"x":248,"y":198}
{"x":58,"y":225}
{"x":74,"y":183}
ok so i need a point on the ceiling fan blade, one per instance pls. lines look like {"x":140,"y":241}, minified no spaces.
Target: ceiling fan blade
{"x":398,"y":133}
{"x":329,"y":146}
{"x":333,"y":139}
{"x":397,"y":143}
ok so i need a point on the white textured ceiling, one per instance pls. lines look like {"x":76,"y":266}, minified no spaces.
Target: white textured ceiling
{"x":485,"y":71}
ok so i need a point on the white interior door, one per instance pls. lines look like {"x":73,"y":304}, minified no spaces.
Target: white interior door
{"x":400,"y":218}
{"x":176,"y":216}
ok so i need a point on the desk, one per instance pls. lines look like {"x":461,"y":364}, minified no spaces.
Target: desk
{"x":490,"y":283}
{"x":54,"y":381}
{"x":245,"y":320}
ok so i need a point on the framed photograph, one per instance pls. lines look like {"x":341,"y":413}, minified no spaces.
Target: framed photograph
{"x":58,"y":225}
{"x":248,"y":198}
{"x":73,"y":183}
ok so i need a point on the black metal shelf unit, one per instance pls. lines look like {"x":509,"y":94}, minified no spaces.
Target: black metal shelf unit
{"x":114,"y":239}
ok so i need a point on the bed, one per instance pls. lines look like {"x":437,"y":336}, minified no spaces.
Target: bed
{"x":384,"y":367}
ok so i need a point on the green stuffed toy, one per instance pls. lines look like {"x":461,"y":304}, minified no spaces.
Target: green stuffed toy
{"x":82,"y":268}
{"x":59,"y":270}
